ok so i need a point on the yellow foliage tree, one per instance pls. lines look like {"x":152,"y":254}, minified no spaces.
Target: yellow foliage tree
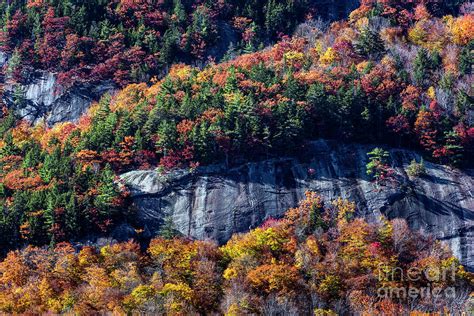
{"x":462,"y":29}
{"x":329,"y":56}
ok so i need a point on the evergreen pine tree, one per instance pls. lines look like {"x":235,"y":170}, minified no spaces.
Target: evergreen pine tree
{"x":71,"y":216}
{"x":179,"y":13}
{"x":167,"y":229}
{"x":421,"y":66}
{"x":466,"y":59}
{"x":274,"y":17}
{"x":369,"y":43}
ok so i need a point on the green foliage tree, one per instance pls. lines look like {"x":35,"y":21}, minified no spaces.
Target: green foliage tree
{"x":466,"y":59}
{"x":274,"y":16}
{"x":377,"y":166}
{"x":416,"y":169}
{"x":369,"y":43}
{"x":421,"y":67}
{"x":167,"y":229}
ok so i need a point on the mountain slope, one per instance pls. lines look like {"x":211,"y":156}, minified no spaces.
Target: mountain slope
{"x":317,"y":260}
{"x":379,"y":77}
{"x":216,"y":202}
{"x":160,"y":123}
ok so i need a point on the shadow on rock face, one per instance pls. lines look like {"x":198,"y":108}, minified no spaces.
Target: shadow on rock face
{"x":43,"y":98}
{"x":215,"y":202}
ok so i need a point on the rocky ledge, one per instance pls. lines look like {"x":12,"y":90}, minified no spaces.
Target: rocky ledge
{"x":43,"y":98}
{"x":215,"y":202}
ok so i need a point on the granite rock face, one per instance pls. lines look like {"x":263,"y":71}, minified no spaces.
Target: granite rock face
{"x":43,"y":98}
{"x":3,"y":59}
{"x":215,"y":202}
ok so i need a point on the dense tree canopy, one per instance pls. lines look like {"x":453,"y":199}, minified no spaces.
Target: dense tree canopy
{"x":394,"y":73}
{"x":132,"y":41}
{"x":318,"y":259}
{"x":383,"y":76}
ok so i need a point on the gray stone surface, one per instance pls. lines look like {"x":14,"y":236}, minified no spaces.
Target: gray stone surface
{"x":215,"y":202}
{"x":45,"y":99}
{"x":42,"y":97}
{"x":3,"y":59}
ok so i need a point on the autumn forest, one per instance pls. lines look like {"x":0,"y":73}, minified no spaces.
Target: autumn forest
{"x":393,"y":72}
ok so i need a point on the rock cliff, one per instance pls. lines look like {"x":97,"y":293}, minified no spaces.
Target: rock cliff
{"x":44,"y":98}
{"x":215,"y":202}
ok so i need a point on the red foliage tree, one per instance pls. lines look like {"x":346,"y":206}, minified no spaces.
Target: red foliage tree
{"x":411,"y":98}
{"x":14,"y":28}
{"x":121,"y":159}
{"x":176,"y":158}
{"x":53,"y":40}
{"x":425,"y":129}
{"x":399,"y":124}
{"x":380,"y":83}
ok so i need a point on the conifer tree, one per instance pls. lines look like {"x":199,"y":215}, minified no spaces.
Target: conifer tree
{"x":421,"y":66}
{"x":369,"y":43}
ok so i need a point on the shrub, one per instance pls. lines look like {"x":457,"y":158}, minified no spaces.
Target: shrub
{"x":416,"y":169}
{"x":377,"y":166}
